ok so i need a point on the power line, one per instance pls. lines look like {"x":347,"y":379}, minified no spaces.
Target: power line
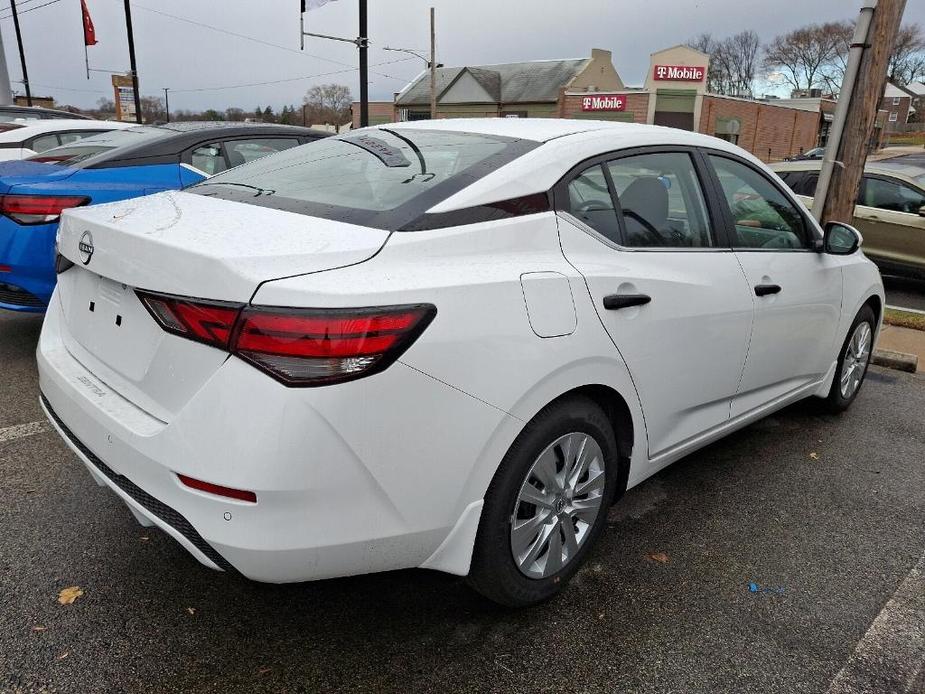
{"x":281,"y":81}
{"x":31,"y":9}
{"x":252,"y":38}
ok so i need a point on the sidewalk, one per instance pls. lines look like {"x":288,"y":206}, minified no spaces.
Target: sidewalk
{"x":907,"y":340}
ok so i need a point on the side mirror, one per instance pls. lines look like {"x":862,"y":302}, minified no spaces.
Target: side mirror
{"x":841,"y":239}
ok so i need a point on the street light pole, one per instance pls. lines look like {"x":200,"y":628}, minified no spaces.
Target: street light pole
{"x":433,"y":67}
{"x":22,"y":53}
{"x":362,"y":43}
{"x":167,"y":103}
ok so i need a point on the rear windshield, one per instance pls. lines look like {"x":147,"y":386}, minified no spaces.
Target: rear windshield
{"x":381,"y":178}
{"x":82,"y":151}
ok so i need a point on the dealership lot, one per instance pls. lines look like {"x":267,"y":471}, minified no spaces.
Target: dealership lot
{"x":823,"y":514}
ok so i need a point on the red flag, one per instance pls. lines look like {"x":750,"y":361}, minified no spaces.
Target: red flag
{"x":89,"y":31}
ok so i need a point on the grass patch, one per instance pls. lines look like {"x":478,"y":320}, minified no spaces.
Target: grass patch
{"x":904,"y":319}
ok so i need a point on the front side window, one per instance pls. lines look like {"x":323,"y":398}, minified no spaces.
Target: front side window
{"x":77,"y":135}
{"x":244,"y":151}
{"x":660,"y":200}
{"x":763,"y":216}
{"x":385,"y":178}
{"x":890,"y":195}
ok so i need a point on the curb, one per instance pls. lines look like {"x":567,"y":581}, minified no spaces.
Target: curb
{"x":895,"y":360}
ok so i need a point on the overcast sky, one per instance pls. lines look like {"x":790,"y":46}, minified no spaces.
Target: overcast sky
{"x":203,"y":66}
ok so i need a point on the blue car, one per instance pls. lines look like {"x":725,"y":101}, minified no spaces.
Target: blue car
{"x":104,"y":168}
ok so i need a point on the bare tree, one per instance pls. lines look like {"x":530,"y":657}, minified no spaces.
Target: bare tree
{"x":743,"y":49}
{"x":233,"y":113}
{"x":733,"y":61}
{"x":329,"y":103}
{"x":802,"y":56}
{"x":907,"y":63}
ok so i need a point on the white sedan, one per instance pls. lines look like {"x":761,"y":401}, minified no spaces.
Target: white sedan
{"x":26,"y":138}
{"x":448,"y":345}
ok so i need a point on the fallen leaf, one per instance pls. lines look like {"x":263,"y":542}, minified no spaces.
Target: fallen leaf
{"x":191,"y":610}
{"x":69,"y":595}
{"x":264,"y":670}
{"x":39,"y":627}
{"x":814,"y":456}
{"x":144,"y":538}
{"x":660,"y":557}
{"x":63,"y":655}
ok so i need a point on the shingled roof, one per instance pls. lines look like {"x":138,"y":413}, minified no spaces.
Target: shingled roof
{"x":510,"y":83}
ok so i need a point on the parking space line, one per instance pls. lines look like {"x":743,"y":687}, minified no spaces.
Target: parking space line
{"x":891,"y":656}
{"x":19,"y":431}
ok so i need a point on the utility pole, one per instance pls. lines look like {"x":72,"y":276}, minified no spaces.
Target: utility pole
{"x":856,"y":112}
{"x":167,"y":103}
{"x":131,"y":57}
{"x":22,"y":53}
{"x":6,"y":93}
{"x":433,"y":67}
{"x":364,"y":67}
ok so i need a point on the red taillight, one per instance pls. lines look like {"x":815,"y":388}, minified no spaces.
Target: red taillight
{"x":298,"y":347}
{"x":204,"y":321}
{"x":219,"y":490}
{"x":38,"y":209}
{"x":310,"y":347}
{"x":50,"y":159}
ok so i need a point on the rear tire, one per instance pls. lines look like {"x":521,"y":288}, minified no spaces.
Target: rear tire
{"x":537,"y":525}
{"x":853,"y":360}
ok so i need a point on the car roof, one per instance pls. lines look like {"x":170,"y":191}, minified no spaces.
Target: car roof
{"x":52,"y":125}
{"x":564,"y":143}
{"x":536,"y":129}
{"x":904,"y":172}
{"x":40,"y":111}
{"x":183,"y":135}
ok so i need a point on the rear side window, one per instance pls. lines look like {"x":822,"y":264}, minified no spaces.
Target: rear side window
{"x":43,"y":142}
{"x":590,"y":201}
{"x":763,"y":216}
{"x":209,"y":158}
{"x":889,"y":195}
{"x":381,"y":178}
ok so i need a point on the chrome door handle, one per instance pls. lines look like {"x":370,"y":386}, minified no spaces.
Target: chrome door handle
{"x":615,"y":302}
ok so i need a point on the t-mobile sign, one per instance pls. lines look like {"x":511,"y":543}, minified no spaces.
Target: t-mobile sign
{"x":604,"y":102}
{"x":680,"y":73}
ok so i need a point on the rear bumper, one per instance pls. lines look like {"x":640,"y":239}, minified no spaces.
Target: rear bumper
{"x":347,"y":480}
{"x":29,"y":253}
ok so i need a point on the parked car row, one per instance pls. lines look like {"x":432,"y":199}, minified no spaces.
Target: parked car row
{"x":448,"y":345}
{"x":890,"y":211}
{"x":125,"y":162}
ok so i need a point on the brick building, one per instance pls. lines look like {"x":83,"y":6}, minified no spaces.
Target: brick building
{"x":898,"y":105}
{"x":674,"y":94}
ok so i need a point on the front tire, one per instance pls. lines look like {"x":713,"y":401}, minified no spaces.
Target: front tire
{"x":546,"y":505}
{"x":853,"y":360}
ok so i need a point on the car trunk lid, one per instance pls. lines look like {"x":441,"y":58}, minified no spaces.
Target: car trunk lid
{"x":180,"y":244}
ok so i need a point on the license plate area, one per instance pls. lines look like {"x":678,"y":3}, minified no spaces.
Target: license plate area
{"x":107,"y":319}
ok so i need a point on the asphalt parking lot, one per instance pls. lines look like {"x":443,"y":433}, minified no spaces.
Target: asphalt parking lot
{"x":824,"y":515}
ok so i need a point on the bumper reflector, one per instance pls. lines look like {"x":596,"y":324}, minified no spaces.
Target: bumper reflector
{"x":218,"y":490}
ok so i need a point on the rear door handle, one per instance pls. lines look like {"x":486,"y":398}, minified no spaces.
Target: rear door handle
{"x":765,"y":289}
{"x":615,"y":302}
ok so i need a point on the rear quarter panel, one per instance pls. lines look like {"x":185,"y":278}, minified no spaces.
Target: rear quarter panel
{"x":481,"y":341}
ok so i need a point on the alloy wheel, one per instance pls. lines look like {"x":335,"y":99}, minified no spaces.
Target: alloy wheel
{"x":557,"y":505}
{"x":857,"y":354}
